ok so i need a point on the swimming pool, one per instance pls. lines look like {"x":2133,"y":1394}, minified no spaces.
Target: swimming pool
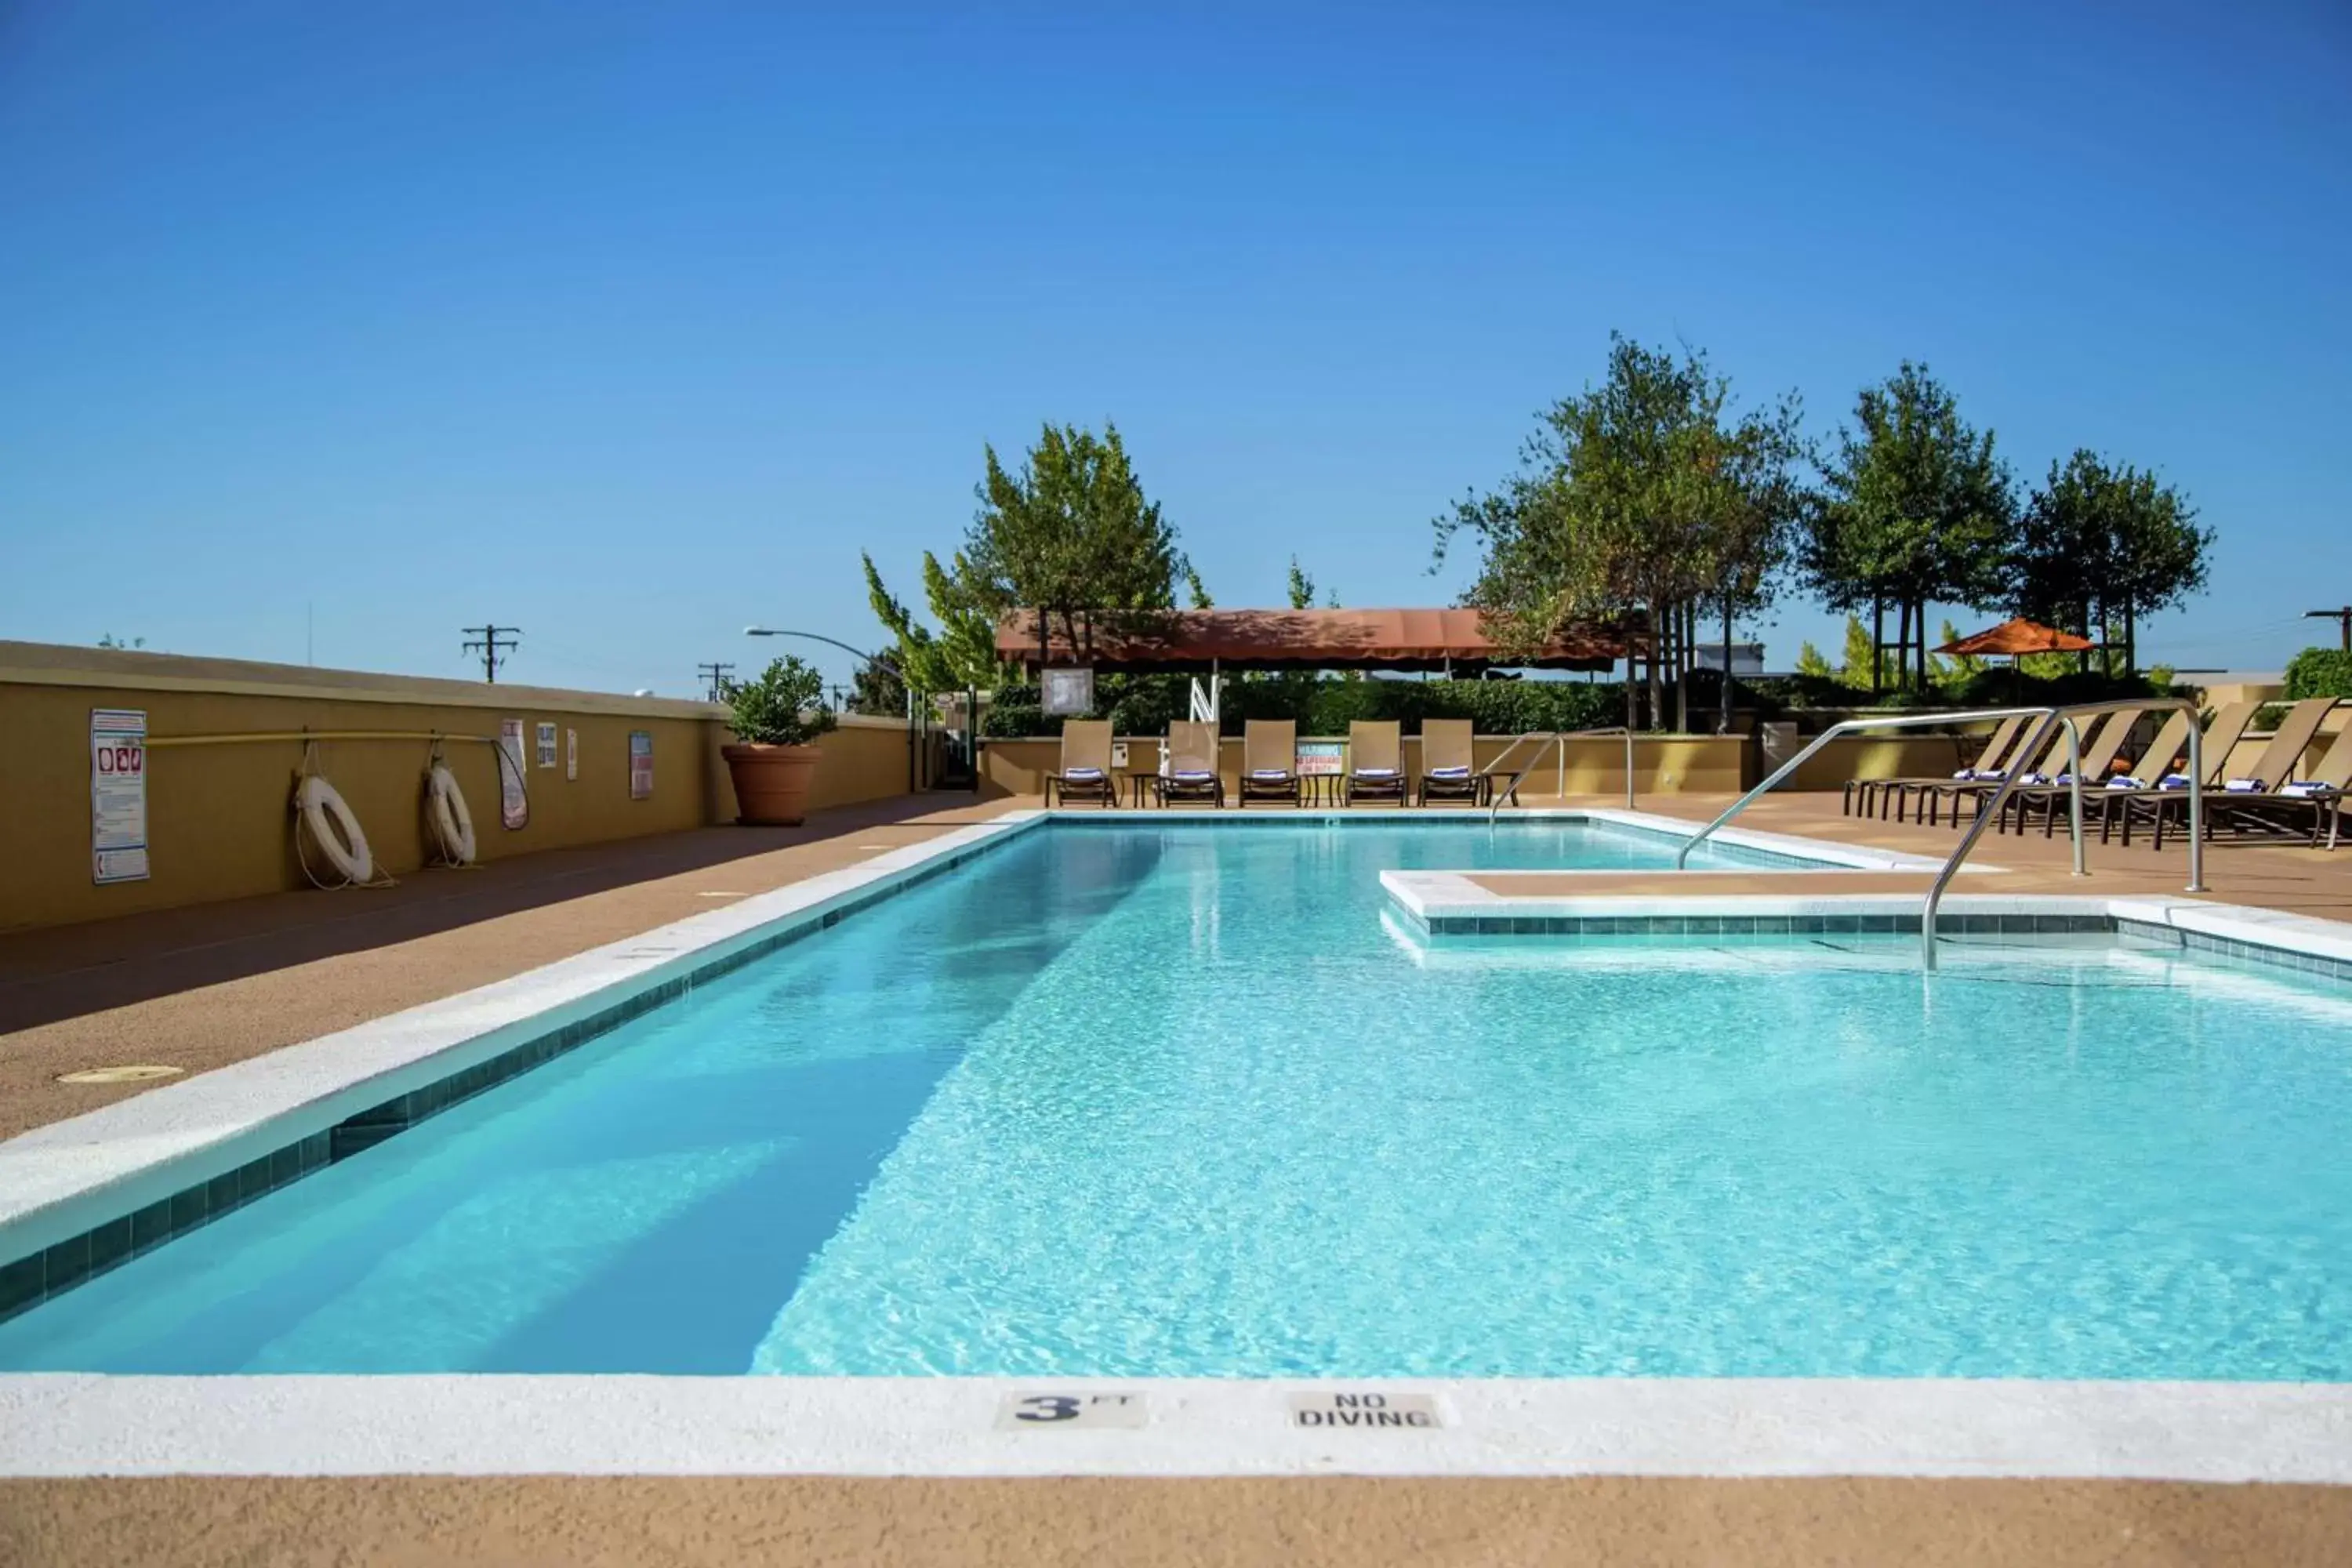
{"x":1173,"y":1101}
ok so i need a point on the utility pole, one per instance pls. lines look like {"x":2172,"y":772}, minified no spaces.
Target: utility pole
{"x":715,"y":676}
{"x":2343,"y":619}
{"x":493,"y":643}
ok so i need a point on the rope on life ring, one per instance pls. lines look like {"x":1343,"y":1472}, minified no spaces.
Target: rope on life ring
{"x":453,"y":824}
{"x":333,"y":831}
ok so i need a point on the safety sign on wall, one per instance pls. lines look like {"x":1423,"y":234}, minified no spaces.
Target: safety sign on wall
{"x":118,"y":794}
{"x":514,"y":800}
{"x":571,"y":755}
{"x":641,"y":763}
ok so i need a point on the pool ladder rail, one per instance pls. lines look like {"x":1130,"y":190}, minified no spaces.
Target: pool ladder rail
{"x":1559,"y":738}
{"x":2066,"y":716}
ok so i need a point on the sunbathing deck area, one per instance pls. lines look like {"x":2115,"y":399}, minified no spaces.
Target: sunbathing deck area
{"x":202,"y":988}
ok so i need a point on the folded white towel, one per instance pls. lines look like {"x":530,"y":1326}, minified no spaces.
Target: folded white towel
{"x":1965,"y":773}
{"x":1082,"y":773}
{"x":2244,"y":786}
{"x":2173,"y":781}
{"x":2125,"y":781}
{"x":2036,"y":779}
{"x":1191,"y":775}
{"x":1276,"y":774}
{"x":1376,"y":773}
{"x":1449,"y":772}
{"x":2304,"y":789}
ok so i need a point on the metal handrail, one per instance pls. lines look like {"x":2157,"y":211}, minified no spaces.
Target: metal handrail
{"x":2066,"y":715}
{"x":1561,"y":737}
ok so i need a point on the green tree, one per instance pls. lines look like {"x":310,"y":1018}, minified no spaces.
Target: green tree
{"x":1630,"y":501}
{"x":1812,"y":665}
{"x":2099,"y":547}
{"x":1070,"y":534}
{"x":962,"y":653}
{"x":1859,"y":658}
{"x":2316,"y":672}
{"x":1748,"y":497}
{"x":1918,"y":508}
{"x":1958,"y":670}
{"x":1302,"y":587}
{"x":878,"y":691}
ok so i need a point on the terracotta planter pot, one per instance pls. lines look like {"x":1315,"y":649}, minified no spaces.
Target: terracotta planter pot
{"x":772,"y":782}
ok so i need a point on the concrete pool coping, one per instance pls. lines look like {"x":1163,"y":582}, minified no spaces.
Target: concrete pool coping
{"x":66,"y":1424}
{"x":54,"y":1178}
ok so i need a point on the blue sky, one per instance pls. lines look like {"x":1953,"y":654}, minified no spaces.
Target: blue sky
{"x":632,"y":324}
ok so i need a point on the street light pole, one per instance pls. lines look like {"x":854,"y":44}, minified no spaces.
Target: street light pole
{"x":914,"y":766}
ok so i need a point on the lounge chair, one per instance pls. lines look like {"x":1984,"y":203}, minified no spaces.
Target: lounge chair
{"x":2130,"y":802}
{"x":1270,"y":761}
{"x":1448,"y":769}
{"x":1375,"y":760}
{"x":2320,"y":793}
{"x":1084,"y":773}
{"x":2027,"y":758}
{"x":1192,"y":773}
{"x":2101,"y":746}
{"x":2155,"y":764}
{"x":1873,"y":796}
{"x":2277,"y":765}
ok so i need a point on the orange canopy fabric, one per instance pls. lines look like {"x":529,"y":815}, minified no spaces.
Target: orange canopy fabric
{"x":2018,"y":637}
{"x":1322,"y":639}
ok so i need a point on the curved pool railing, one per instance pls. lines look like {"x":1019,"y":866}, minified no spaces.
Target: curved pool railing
{"x":1559,"y":738}
{"x":2052,"y":716}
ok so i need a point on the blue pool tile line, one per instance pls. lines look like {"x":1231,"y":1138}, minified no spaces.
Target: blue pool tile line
{"x":1956,"y":924}
{"x":28,"y":1281}
{"x":1763,"y":925}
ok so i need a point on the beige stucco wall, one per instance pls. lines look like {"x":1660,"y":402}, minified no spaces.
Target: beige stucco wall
{"x":1595,"y":765}
{"x":1886,"y":756}
{"x":219,"y":823}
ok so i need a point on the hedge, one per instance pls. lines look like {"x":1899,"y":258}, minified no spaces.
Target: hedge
{"x":2319,"y":672}
{"x":1147,"y":704}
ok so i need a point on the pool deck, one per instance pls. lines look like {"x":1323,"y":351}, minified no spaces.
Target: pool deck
{"x":200,"y":989}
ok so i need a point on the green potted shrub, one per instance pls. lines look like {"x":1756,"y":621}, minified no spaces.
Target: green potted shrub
{"x":776,"y":716}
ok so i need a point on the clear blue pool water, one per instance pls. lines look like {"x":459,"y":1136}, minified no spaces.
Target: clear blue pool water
{"x":1177,"y":1101}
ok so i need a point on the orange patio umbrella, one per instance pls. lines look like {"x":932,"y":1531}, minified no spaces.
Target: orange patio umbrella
{"x":2019,"y":637}
{"x":2013,"y":641}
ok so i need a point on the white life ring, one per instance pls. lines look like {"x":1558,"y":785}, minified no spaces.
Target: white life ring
{"x":452,"y":823}
{"x":334,"y":829}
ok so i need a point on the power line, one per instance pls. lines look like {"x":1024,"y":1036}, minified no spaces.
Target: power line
{"x":2343,"y":618}
{"x":494,"y":643}
{"x":715,"y":676}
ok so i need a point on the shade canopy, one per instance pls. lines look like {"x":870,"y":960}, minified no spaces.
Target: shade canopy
{"x":1183,"y":640}
{"x":2012,"y":638}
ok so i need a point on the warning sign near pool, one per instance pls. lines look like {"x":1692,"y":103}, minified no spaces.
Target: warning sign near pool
{"x":1366,"y":1412}
{"x":118,"y":794}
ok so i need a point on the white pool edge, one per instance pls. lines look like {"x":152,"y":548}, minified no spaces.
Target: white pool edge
{"x":58,"y":1425}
